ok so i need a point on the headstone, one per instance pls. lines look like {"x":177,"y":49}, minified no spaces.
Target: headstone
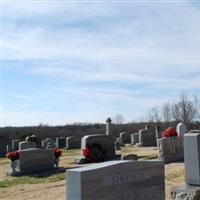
{"x":147,"y":126}
{"x":15,"y":145}
{"x":158,"y":132}
{"x":50,"y":143}
{"x":190,"y":190}
{"x":44,"y":144}
{"x":147,"y":137}
{"x":73,"y":142}
{"x":61,"y":142}
{"x":8,"y":148}
{"x":181,"y":129}
{"x":126,"y":137}
{"x":34,"y":160}
{"x":134,"y":138}
{"x":120,"y":141}
{"x":192,"y":158}
{"x":26,"y":145}
{"x":117,"y":146}
{"x":170,"y":149}
{"x":105,"y":141}
{"x":108,"y":126}
{"x":117,"y":180}
{"x":3,"y":147}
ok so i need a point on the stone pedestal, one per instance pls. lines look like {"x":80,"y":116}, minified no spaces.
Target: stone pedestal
{"x":185,"y":192}
{"x":109,"y":127}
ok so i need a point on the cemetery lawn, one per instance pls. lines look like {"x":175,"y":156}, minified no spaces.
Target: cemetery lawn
{"x":42,"y":186}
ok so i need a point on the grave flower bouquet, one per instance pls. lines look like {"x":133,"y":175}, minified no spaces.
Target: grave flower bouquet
{"x":86,"y":152}
{"x":57,"y":152}
{"x":14,"y":155}
{"x":94,"y":153}
{"x":169,"y":132}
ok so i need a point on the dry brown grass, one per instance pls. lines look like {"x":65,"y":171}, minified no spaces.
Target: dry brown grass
{"x":53,"y":186}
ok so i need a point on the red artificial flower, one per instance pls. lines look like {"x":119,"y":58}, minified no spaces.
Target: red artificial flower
{"x":86,"y":152}
{"x":169,"y":132}
{"x":57,"y":152}
{"x":14,"y":155}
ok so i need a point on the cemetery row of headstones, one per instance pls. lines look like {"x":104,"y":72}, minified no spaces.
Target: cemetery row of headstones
{"x":115,"y":180}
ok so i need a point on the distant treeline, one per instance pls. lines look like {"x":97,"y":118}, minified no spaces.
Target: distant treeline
{"x":45,"y":131}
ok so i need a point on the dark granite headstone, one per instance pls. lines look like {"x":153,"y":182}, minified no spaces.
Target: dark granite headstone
{"x":147,"y":137}
{"x":2,"y":148}
{"x":61,"y":142}
{"x":126,"y":137}
{"x":73,"y":142}
{"x":15,"y":144}
{"x":105,"y":141}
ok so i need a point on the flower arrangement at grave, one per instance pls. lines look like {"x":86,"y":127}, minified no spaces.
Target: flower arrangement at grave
{"x":14,"y":155}
{"x":86,"y":153}
{"x":94,"y":153}
{"x":169,"y":132}
{"x":57,"y":154}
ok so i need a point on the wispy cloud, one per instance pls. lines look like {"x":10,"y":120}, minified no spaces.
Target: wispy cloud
{"x":115,"y":53}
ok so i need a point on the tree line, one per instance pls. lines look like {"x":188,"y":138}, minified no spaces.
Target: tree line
{"x":186,"y":109}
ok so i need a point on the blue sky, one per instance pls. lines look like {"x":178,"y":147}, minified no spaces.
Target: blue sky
{"x":66,"y":62}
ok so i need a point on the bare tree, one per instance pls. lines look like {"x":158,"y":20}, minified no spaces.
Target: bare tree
{"x":184,"y":110}
{"x":197,"y":106}
{"x":118,"y":119}
{"x":166,"y":112}
{"x":154,"y":115}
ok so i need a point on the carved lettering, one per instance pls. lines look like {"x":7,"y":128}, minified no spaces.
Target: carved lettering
{"x":121,"y":179}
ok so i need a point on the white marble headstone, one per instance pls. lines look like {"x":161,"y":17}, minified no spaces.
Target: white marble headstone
{"x":181,"y":129}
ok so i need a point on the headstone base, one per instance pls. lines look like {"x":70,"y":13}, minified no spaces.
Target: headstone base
{"x":50,"y":171}
{"x":138,"y":144}
{"x":83,"y":160}
{"x":172,"y":158}
{"x":129,"y":157}
{"x":185,"y":192}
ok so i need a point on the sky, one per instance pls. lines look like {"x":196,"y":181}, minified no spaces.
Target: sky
{"x":71,"y":61}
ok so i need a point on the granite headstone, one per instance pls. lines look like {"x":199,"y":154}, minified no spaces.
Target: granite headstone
{"x":117,"y":180}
